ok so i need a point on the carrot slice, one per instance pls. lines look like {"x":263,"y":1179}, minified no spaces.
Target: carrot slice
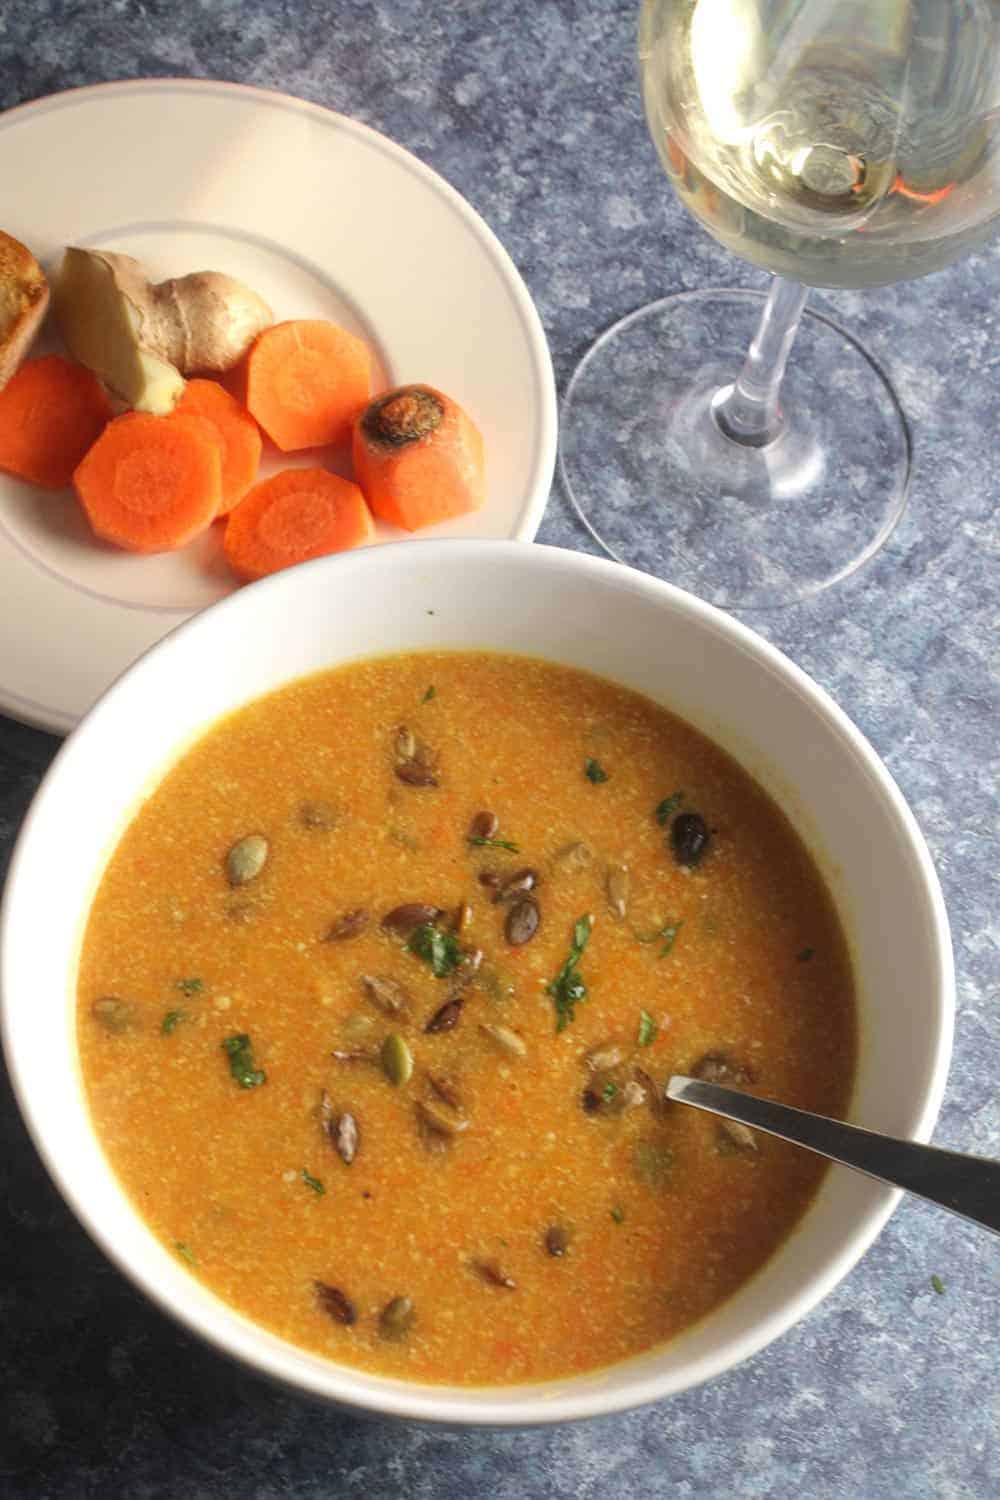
{"x":295,"y":515}
{"x":51,"y":412}
{"x":306,"y":381}
{"x":419,"y":457}
{"x":151,"y":484}
{"x":238,"y":435}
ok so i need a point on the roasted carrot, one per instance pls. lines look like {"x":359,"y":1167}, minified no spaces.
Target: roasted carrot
{"x":294,"y":516}
{"x":238,"y":435}
{"x":51,"y":412}
{"x":306,"y":381}
{"x":151,"y":484}
{"x":418,"y":457}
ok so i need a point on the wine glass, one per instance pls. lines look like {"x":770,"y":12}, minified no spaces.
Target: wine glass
{"x":836,"y":143}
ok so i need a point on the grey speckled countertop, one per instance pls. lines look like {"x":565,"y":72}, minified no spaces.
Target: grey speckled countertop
{"x":888,"y":1389}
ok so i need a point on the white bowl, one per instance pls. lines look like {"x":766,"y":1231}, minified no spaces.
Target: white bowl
{"x":573,"y":609}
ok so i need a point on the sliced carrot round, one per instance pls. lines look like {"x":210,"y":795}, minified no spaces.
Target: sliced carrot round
{"x":151,"y":484}
{"x":51,"y":411}
{"x":292,"y":517}
{"x":237,"y":431}
{"x":306,"y":381}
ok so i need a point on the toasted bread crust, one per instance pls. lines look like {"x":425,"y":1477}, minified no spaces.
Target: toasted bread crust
{"x":24,"y":299}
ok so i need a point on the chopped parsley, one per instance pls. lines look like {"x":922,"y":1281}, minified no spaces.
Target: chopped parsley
{"x":481,"y":843}
{"x":430,"y":694}
{"x":937,"y":1284}
{"x":568,"y":989}
{"x":185,"y":1252}
{"x":618,"y":1214}
{"x":313,"y":1182}
{"x":190,"y":986}
{"x":665,"y":810}
{"x":609,"y":1091}
{"x":669,"y":936}
{"x":172,"y":1020}
{"x":648,"y":1029}
{"x":594,"y":771}
{"x":239,"y":1050}
{"x":440,"y":949}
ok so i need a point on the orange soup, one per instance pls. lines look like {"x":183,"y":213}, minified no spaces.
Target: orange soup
{"x":380,"y":991}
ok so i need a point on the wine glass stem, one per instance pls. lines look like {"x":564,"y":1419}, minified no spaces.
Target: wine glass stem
{"x":749,"y":411}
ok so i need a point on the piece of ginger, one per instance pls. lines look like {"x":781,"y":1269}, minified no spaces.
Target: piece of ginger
{"x":142,"y":339}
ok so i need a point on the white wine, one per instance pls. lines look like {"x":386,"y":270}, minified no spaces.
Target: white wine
{"x":841,"y":143}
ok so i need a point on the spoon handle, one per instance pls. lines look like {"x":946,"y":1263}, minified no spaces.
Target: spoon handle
{"x":965,"y":1185}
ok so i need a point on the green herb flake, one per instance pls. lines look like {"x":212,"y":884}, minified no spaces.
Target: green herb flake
{"x":669,"y":936}
{"x":937,"y":1284}
{"x":568,"y":989}
{"x":185,"y":1252}
{"x":805,"y":955}
{"x":190,"y":986}
{"x":648,"y":1029}
{"x":172,"y":1020}
{"x":481,"y":843}
{"x":239,"y":1050}
{"x":430,"y":694}
{"x":665,"y":810}
{"x":313,"y":1182}
{"x":618,"y":1214}
{"x":609,"y":1091}
{"x":594,"y":771}
{"x":440,"y":949}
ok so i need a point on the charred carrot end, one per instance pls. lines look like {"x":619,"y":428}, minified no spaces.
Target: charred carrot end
{"x":292,"y":517}
{"x":151,"y":484}
{"x":51,"y":412}
{"x":236,"y":432}
{"x":306,"y":381}
{"x":419,"y":457}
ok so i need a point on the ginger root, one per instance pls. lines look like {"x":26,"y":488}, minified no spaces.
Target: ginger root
{"x":143,"y":339}
{"x":24,"y":298}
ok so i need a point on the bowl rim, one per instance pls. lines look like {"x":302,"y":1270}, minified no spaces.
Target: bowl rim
{"x":505,"y":1406}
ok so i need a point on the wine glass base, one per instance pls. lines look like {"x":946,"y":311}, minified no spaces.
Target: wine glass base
{"x":660,"y":487}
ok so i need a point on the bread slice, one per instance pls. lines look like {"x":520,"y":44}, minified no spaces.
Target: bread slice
{"x":24,"y":298}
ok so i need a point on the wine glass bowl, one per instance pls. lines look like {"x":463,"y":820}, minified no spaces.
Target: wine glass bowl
{"x":835,"y":143}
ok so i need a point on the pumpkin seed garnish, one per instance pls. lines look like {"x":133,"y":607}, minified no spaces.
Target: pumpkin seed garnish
{"x":733,"y":1135}
{"x":600,"y":1059}
{"x":616,"y":885}
{"x":397,"y":1059}
{"x":350,"y":925}
{"x":437,"y":1120}
{"x":318,"y":816}
{"x":333,"y":1301}
{"x":387,"y":994}
{"x":557,"y":1239}
{"x":115,"y":1015}
{"x":246,"y":859}
{"x":396,"y":1318}
{"x":446,"y":1017}
{"x":402,"y":921}
{"x":483,"y":827}
{"x":522,"y":922}
{"x":507,"y":1040}
{"x":492,"y":1273}
{"x":574,"y":856}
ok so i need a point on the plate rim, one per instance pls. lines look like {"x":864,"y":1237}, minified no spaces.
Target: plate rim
{"x":541,"y":474}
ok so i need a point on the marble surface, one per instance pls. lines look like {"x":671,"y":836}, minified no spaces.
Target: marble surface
{"x":889,"y":1388}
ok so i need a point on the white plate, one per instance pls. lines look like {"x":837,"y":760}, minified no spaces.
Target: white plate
{"x":326,"y":219}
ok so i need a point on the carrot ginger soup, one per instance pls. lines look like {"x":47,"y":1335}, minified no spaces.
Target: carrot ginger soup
{"x":380,"y":991}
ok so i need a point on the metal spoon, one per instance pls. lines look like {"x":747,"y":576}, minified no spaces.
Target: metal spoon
{"x":965,"y":1185}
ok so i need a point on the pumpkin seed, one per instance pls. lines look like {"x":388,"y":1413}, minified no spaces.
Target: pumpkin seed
{"x":616,"y":885}
{"x":445,"y":1089}
{"x":655,"y":1097}
{"x":357,"y":1028}
{"x":397,"y":1059}
{"x":492,"y":1273}
{"x":396,"y":1318}
{"x":346,"y":1137}
{"x":333,"y":1301}
{"x":246,"y":859}
{"x":607,"y":1055}
{"x":689,"y":838}
{"x":406,"y":744}
{"x":518,"y":884}
{"x":738,"y":1136}
{"x":353,"y":1055}
{"x":318,"y":816}
{"x":490,"y":881}
{"x":718,"y":1067}
{"x":437,"y":1120}
{"x":522,"y":922}
{"x":556,"y":1239}
{"x":414,"y":773}
{"x":506,"y":1040}
{"x":484,"y":826}
{"x":446,"y":1017}
{"x":348,"y":926}
{"x":633,"y":1094}
{"x":574,"y":856}
{"x":403,"y":920}
{"x":389,"y":996}
{"x":461,"y":917}
{"x":115,"y":1015}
